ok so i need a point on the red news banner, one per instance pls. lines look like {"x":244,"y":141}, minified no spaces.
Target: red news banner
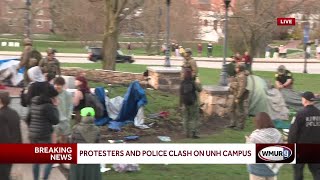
{"x":38,"y":153}
{"x":160,"y":153}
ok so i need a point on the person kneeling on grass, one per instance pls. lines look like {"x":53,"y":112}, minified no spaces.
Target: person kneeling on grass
{"x":189,"y":100}
{"x":265,"y":133}
{"x":85,"y":132}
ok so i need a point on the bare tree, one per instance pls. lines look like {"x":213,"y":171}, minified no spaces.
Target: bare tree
{"x":254,"y":22}
{"x":83,"y":22}
{"x":114,"y":14}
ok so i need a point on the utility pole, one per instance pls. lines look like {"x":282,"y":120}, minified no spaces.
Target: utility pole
{"x":158,"y":27}
{"x":167,"y":61}
{"x":28,"y":18}
{"x":223,"y":75}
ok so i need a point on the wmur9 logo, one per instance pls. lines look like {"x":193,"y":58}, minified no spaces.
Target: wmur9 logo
{"x":275,"y":153}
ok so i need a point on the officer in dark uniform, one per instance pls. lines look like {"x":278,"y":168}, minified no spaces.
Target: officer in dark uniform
{"x":306,"y":129}
{"x":283,"y":78}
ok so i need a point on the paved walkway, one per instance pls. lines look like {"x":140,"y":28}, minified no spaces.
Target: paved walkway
{"x":24,"y":171}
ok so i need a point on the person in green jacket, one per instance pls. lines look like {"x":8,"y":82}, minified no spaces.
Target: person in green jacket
{"x":85,"y":132}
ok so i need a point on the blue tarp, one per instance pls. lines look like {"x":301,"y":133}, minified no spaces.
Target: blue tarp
{"x":3,"y":61}
{"x":134,"y":98}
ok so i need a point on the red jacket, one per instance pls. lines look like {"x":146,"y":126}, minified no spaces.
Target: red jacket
{"x":247,"y":59}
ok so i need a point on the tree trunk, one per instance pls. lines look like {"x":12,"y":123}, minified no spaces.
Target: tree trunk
{"x":110,"y":38}
{"x":110,"y":44}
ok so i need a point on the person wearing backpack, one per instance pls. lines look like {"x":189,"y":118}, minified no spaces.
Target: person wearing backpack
{"x":79,"y":96}
{"x":189,"y":100}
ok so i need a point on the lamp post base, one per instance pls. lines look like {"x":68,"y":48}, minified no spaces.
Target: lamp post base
{"x":223,"y":76}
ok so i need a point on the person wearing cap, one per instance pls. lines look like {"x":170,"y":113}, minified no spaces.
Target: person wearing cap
{"x":283,"y":78}
{"x":50,"y":65}
{"x":42,"y":116}
{"x":189,"y":62}
{"x":189,"y":100}
{"x":240,"y":93}
{"x":9,"y":130}
{"x":85,"y":132}
{"x":25,"y":58}
{"x":306,"y":129}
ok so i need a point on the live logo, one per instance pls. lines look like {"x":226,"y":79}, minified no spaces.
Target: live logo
{"x":286,"y":21}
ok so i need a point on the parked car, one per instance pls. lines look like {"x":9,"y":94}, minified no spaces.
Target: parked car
{"x":95,"y":54}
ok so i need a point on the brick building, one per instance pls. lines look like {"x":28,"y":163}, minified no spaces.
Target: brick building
{"x":13,"y":14}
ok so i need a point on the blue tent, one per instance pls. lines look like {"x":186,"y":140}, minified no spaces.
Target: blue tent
{"x":134,"y":98}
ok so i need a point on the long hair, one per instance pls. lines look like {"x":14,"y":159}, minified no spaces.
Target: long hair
{"x":84,"y":84}
{"x":262,"y":120}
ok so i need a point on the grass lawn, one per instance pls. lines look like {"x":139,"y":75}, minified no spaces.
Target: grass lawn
{"x":164,"y":101}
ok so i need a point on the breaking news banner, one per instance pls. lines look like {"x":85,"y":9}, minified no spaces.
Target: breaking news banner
{"x":160,"y":153}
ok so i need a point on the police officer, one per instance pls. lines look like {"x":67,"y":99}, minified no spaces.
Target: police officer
{"x":240,"y":93}
{"x":306,"y":129}
{"x":283,"y":78}
{"x":189,"y":62}
{"x":50,"y":65}
{"x":189,"y":99}
{"x":25,"y":59}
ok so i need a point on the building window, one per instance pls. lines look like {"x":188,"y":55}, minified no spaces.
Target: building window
{"x":39,"y":24}
{"x":10,"y":22}
{"x":40,"y":12}
{"x":9,"y":9}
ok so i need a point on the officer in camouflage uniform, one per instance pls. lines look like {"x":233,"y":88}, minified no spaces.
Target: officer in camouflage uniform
{"x":25,"y":59}
{"x":50,"y":65}
{"x":190,"y":113}
{"x":189,"y":62}
{"x":283,"y":78}
{"x":240,"y":94}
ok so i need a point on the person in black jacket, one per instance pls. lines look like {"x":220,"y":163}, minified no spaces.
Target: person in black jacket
{"x":38,"y":84}
{"x":9,"y":130}
{"x":306,"y":129}
{"x":43,"y":115}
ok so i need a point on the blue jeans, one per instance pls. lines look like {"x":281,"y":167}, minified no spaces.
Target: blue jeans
{"x":36,"y":167}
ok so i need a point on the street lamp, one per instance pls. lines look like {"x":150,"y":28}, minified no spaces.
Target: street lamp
{"x":306,"y":31}
{"x":28,"y":18}
{"x":223,"y":75}
{"x":167,"y":61}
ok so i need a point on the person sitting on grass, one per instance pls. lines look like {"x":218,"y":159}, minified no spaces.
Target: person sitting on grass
{"x":265,"y":133}
{"x":189,"y":100}
{"x":85,"y":132}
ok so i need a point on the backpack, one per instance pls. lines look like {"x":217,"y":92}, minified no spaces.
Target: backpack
{"x":188,"y":92}
{"x":92,"y":101}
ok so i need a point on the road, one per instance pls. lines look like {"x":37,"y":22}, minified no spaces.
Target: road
{"x":260,"y":64}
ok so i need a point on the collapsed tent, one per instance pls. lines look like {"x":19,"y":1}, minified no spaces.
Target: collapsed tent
{"x":123,"y":110}
{"x":265,"y":99}
{"x":293,"y":99}
{"x":8,"y":71}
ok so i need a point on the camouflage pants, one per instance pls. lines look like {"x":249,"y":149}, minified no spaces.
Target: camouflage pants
{"x":237,"y":114}
{"x":191,"y":119}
